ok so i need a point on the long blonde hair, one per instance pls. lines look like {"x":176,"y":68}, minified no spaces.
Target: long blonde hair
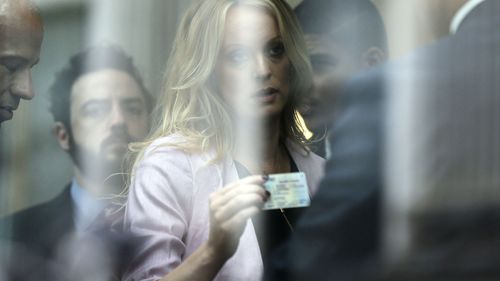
{"x":189,"y":104}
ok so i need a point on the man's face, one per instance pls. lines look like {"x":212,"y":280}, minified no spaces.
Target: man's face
{"x":332,"y":65}
{"x":21,"y":36}
{"x":108,"y":111}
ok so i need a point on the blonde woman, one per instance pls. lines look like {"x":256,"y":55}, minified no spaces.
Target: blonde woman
{"x":226,"y":119}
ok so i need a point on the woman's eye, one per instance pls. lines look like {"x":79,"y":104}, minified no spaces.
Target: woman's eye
{"x":238,"y":56}
{"x":276,"y":50}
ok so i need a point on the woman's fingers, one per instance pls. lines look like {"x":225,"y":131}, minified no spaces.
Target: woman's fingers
{"x":236,"y":224}
{"x":241,"y":186}
{"x":225,"y":235}
{"x":239,"y":202}
{"x":256,"y":179}
{"x":231,"y":207}
{"x":219,"y":199}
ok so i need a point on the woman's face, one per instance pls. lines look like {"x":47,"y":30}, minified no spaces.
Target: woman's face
{"x":253,"y":69}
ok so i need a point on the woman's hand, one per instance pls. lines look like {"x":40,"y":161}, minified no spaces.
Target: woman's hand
{"x":230,"y":208}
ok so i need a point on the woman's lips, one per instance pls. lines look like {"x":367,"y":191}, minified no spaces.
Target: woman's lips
{"x":267,"y":95}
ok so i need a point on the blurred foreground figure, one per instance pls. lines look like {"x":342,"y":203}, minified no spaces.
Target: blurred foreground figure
{"x":442,"y":200}
{"x":99,"y":105}
{"x":21,"y":34}
{"x":430,"y":123}
{"x":343,"y":38}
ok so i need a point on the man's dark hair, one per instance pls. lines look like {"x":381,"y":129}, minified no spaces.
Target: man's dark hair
{"x":88,"y":61}
{"x":356,"y":24}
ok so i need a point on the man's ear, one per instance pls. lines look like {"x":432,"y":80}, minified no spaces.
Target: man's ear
{"x":373,"y":57}
{"x":62,"y":135}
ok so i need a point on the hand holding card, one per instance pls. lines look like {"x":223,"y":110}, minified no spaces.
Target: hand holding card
{"x":287,"y":191}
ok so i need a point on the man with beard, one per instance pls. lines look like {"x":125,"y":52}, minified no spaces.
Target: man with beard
{"x":21,"y":34}
{"x":100,"y":105}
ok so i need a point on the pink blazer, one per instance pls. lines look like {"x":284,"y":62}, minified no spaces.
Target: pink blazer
{"x":167,"y":208}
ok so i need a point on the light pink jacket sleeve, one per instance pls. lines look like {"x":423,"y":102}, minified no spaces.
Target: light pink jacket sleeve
{"x":157,"y":212}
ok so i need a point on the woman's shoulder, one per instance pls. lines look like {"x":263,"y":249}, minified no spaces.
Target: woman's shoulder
{"x":163,"y":150}
{"x":175,"y":149}
{"x":168,"y":146}
{"x":171,"y":142}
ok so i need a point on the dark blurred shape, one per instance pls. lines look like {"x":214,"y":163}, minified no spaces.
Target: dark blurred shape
{"x":343,"y":38}
{"x":430,"y":124}
{"x":447,"y":216}
{"x":353,"y":23}
{"x":337,"y":237}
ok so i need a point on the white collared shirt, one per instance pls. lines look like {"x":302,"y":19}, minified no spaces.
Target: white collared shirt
{"x":462,"y":13}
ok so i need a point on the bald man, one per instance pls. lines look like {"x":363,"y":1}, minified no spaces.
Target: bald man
{"x":21,"y":34}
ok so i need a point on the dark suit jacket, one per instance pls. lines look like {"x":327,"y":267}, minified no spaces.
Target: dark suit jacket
{"x":33,"y":236}
{"x":339,"y":231}
{"x":44,"y":246}
{"x":42,"y":227}
{"x":338,"y":236}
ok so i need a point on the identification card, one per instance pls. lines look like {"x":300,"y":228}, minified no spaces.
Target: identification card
{"x":287,"y":191}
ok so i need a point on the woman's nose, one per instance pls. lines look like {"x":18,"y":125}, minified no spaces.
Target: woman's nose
{"x":262,"y":70}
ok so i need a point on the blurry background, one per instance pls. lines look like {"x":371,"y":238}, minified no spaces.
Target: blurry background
{"x":34,"y":169}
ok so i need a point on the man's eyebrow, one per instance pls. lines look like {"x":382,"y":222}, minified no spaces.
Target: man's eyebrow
{"x":14,"y":58}
{"x":95,"y":100}
{"x":321,"y":56}
{"x":132,"y":99}
{"x":19,"y":60}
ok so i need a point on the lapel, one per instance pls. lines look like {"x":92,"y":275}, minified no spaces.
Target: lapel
{"x":59,"y":221}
